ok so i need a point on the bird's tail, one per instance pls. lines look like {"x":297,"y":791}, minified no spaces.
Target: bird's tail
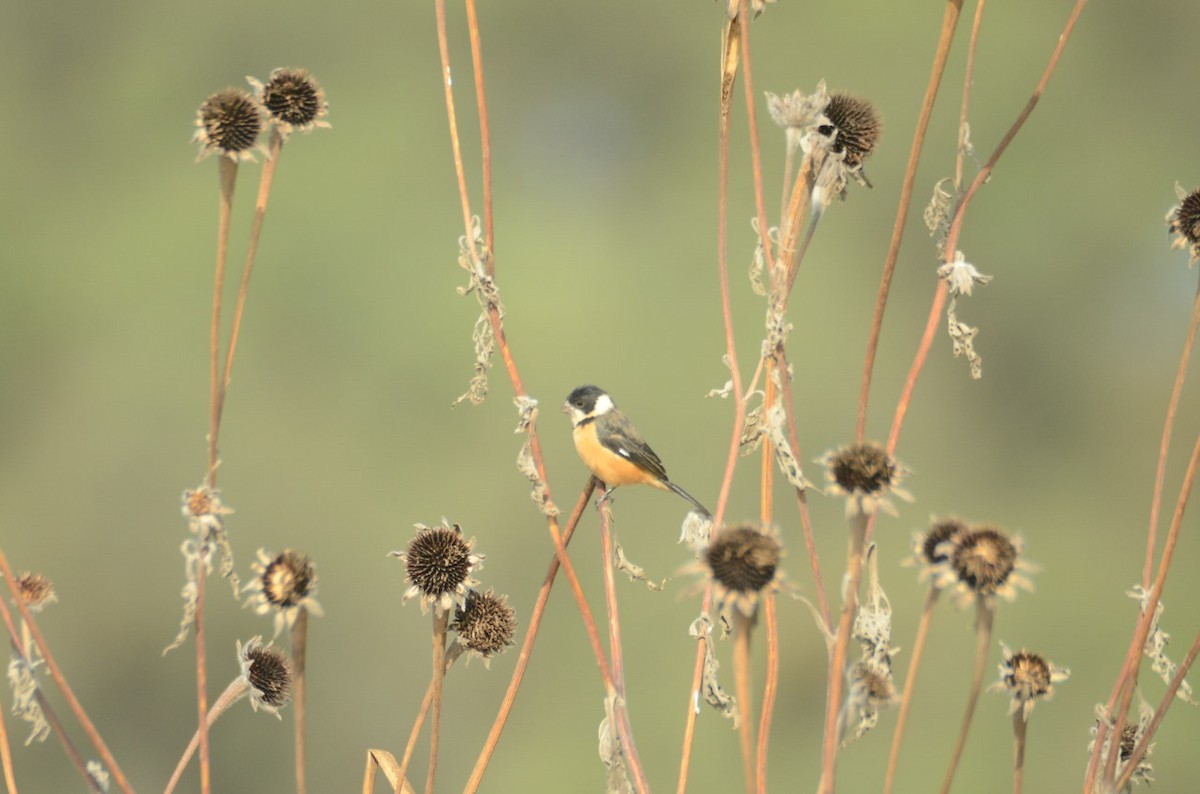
{"x":687,"y":496}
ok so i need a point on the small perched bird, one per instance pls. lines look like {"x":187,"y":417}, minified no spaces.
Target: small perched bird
{"x":612,"y":447}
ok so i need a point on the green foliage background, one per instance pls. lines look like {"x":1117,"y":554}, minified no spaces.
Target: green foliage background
{"x":338,"y":432}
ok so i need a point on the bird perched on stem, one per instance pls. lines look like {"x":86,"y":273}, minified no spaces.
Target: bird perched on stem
{"x":612,"y":448}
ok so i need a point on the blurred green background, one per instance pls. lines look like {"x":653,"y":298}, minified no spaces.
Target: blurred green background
{"x":338,"y":432}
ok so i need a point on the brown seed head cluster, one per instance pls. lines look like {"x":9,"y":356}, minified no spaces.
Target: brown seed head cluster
{"x":288,"y":579}
{"x":36,"y":590}
{"x":438,"y":560}
{"x":1028,"y":677}
{"x":862,"y":469}
{"x":983,"y":559}
{"x":857,"y":124}
{"x":269,"y":672}
{"x":293,"y":97}
{"x":485,"y":624}
{"x":743,"y":559}
{"x":1185,"y":220}
{"x":229,"y":122}
{"x":939,"y":534}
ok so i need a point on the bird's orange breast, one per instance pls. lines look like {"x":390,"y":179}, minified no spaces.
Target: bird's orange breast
{"x":607,"y":465}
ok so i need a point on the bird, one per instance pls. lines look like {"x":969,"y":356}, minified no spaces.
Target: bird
{"x":612,"y":448}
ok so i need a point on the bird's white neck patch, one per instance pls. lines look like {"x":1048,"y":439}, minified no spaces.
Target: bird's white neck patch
{"x":604,"y":404}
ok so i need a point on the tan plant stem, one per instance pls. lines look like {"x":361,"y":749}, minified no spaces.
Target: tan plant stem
{"x":441,"y":619}
{"x":949,"y":23}
{"x":837,"y":659}
{"x":769,"y":690}
{"x":615,"y":650}
{"x":10,"y":780}
{"x":910,"y":683}
{"x":1139,"y":751}
{"x":743,"y":628}
{"x":1020,"y":727}
{"x":106,"y":757}
{"x":202,"y":672}
{"x":299,"y":636}
{"x":484,"y":134}
{"x":274,"y":150}
{"x":237,"y":689}
{"x":227,"y":175}
{"x":535,"y":621}
{"x":984,"y":617}
{"x":1165,"y":443}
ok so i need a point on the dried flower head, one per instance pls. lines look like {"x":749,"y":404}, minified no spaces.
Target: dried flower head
{"x":203,"y":509}
{"x":935,"y":545}
{"x":1027,"y":678}
{"x":871,"y":689}
{"x":853,"y":127}
{"x":229,"y":122}
{"x":799,"y":113}
{"x":283,"y":584}
{"x":439,"y":563}
{"x":984,"y":563}
{"x":866,"y":475}
{"x":269,"y":673}
{"x":294,"y":100}
{"x":743,"y":563}
{"x":36,"y":590}
{"x":961,"y":275}
{"x":485,"y":625}
{"x":1183,"y":220}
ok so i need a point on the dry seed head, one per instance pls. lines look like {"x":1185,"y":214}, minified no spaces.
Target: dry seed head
{"x":984,"y":563}
{"x":743,"y":563}
{"x":866,"y":475}
{"x":269,"y":672}
{"x":439,"y":563}
{"x":855,"y":125}
{"x":36,"y":590}
{"x":283,"y":584}
{"x":1027,"y":678}
{"x":1183,"y":220}
{"x":485,"y":624}
{"x":293,"y":99}
{"x":229,"y":122}
{"x":937,"y":544}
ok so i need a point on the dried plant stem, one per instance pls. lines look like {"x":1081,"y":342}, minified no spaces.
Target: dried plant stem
{"x":968,"y":83}
{"x":441,"y":618}
{"x":274,"y":150}
{"x":743,"y":629}
{"x":914,"y":371}
{"x":299,"y":636}
{"x":837,"y":657}
{"x":731,"y":45}
{"x":484,"y":133}
{"x":1139,"y":752}
{"x":910,"y":683}
{"x":228,"y":180}
{"x":106,"y":757}
{"x":1165,"y":443}
{"x":535,"y":621}
{"x":1020,"y":727}
{"x":769,"y":690}
{"x":1127,"y":679}
{"x":984,"y":618}
{"x":202,"y":673}
{"x":10,"y":780}
{"x":949,"y":23}
{"x":237,"y":689}
{"x":615,"y":650}
{"x":21,"y":645}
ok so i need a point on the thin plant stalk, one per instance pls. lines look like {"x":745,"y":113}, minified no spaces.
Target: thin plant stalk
{"x":202,"y":673}
{"x":743,"y":629}
{"x":984,"y":618}
{"x":1139,"y":751}
{"x":731,"y":46}
{"x":10,"y":780}
{"x":274,"y":150}
{"x":1165,"y":444}
{"x":299,"y":637}
{"x":910,"y":683}
{"x":228,"y":180}
{"x":615,"y":649}
{"x":535,"y":621}
{"x":106,"y":757}
{"x":837,"y":658}
{"x":949,"y":23}
{"x":441,"y":619}
{"x":237,"y":689}
{"x":1020,"y":728}
{"x":21,"y":646}
{"x":1125,"y":683}
{"x":769,"y":690}
{"x":484,"y":133}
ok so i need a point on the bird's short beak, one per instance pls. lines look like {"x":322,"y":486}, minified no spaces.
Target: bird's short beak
{"x":566,"y":409}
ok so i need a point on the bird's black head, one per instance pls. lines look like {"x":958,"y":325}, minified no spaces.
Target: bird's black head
{"x":584,"y":398}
